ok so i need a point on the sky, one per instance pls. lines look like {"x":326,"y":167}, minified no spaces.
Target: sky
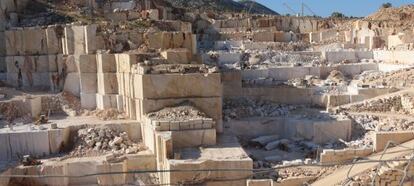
{"x":324,"y":8}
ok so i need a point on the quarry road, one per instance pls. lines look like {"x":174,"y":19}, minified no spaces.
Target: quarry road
{"x":340,"y":175}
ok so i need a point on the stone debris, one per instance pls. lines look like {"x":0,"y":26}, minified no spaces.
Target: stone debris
{"x":336,"y":77}
{"x":10,"y":111}
{"x":263,"y":140}
{"x":154,"y":68}
{"x":126,"y":57}
{"x":70,"y":103}
{"x":308,"y":81}
{"x":97,"y":141}
{"x":280,"y":144}
{"x":287,"y":173}
{"x":370,"y":75}
{"x":391,"y":104}
{"x":399,"y":78}
{"x":181,"y":112}
{"x":244,"y":108}
{"x":264,"y":59}
{"x":365,"y":126}
{"x":276,"y":58}
{"x":107,"y":114}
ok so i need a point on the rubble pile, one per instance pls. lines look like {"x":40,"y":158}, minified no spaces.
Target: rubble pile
{"x":374,"y":123}
{"x":70,"y":104}
{"x":10,"y":111}
{"x":280,"y":58}
{"x":385,"y":104}
{"x":370,"y":75}
{"x":365,"y":126}
{"x":400,"y":78}
{"x":308,"y":81}
{"x":177,"y":68}
{"x":287,"y":173}
{"x":274,"y":142}
{"x":335,"y":77}
{"x":107,"y":114}
{"x":181,"y":112}
{"x":262,"y":82}
{"x":95,"y":141}
{"x":239,"y":108}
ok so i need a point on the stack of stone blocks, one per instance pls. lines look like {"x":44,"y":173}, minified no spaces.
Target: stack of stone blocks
{"x":88,"y":80}
{"x":40,"y":45}
{"x":106,"y":97}
{"x":49,"y":49}
{"x":125,"y":79}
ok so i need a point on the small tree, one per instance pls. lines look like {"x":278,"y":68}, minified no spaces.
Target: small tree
{"x":386,"y":5}
{"x":337,"y":15}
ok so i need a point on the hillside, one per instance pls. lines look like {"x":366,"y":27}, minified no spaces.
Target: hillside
{"x":403,"y":13}
{"x":222,"y":5}
{"x":257,"y":7}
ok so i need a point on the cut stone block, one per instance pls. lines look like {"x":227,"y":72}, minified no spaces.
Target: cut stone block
{"x":3,"y":65}
{"x":179,"y":85}
{"x":55,"y":63}
{"x":191,"y":138}
{"x":120,"y":102}
{"x":131,"y":109}
{"x":87,"y":63}
{"x":72,"y":65}
{"x":2,"y":43}
{"x":10,"y":42}
{"x":58,"y":139}
{"x":10,"y":64}
{"x":12,"y":79}
{"x":90,"y":39}
{"x":32,"y":143}
{"x":107,"y":83}
{"x":41,"y":80}
{"x":155,"y":39}
{"x":88,"y":83}
{"x":177,"y":56}
{"x":111,"y":179}
{"x":54,"y":41}
{"x":69,"y":41}
{"x":106,"y":101}
{"x":3,"y":77}
{"x":106,"y":63}
{"x":41,"y":63}
{"x":5,"y":148}
{"x":79,"y":40}
{"x":124,"y":62}
{"x":80,"y":168}
{"x":88,"y":101}
{"x":35,"y":41}
{"x":142,"y":161}
{"x":72,"y":84}
{"x":121,"y":83}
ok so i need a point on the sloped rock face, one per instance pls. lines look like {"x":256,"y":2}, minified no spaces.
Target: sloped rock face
{"x":223,"y":5}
